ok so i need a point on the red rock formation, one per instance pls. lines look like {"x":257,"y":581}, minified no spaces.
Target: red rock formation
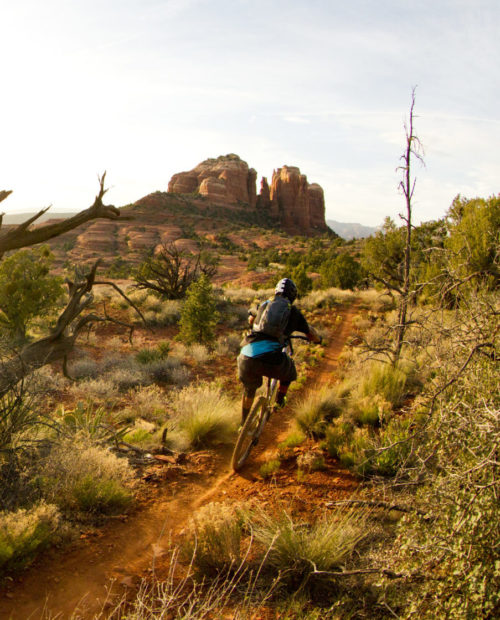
{"x":264,"y":197}
{"x":300,"y":207}
{"x":225,"y":180}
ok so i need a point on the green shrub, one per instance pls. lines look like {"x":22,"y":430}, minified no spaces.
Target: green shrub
{"x":25,"y":532}
{"x":337,"y":435}
{"x":199,"y":315}
{"x":269,"y":468}
{"x":147,"y":356}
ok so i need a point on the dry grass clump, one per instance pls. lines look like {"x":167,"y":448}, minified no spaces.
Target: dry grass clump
{"x":103,"y":389}
{"x":82,"y":478}
{"x":384,"y":380}
{"x":297,"y":550}
{"x":317,"y":409}
{"x":213,"y":538}
{"x":25,"y":532}
{"x":205,"y":415}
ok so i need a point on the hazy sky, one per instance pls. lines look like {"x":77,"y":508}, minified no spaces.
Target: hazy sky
{"x":147,"y":88}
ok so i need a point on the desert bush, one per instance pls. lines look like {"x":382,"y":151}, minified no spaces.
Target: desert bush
{"x":148,"y":403}
{"x":127,"y":377}
{"x":228,"y":345}
{"x":142,"y":434}
{"x":104,"y":389}
{"x":84,"y":368}
{"x":293,"y":439}
{"x":199,"y":353}
{"x":82,"y":478}
{"x":316,"y":409}
{"x":371,"y":299}
{"x":214,"y":538}
{"x":455,"y":548}
{"x":25,"y":532}
{"x":296,"y":549}
{"x":205,"y":414}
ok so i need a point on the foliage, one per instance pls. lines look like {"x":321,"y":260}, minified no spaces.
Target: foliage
{"x":81,"y":477}
{"x":171,"y":271}
{"x":473,"y":240}
{"x":341,"y":271}
{"x":199,"y":315}
{"x":455,"y":548}
{"x":23,"y":533}
{"x":27,"y":289}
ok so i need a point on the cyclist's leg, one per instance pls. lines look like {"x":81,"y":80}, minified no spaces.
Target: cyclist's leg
{"x":249,"y":375}
{"x":288,"y":373}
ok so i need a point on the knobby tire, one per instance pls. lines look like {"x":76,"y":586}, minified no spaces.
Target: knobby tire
{"x":249,"y":434}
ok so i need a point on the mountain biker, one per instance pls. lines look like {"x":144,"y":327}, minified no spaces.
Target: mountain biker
{"x":261,"y":354}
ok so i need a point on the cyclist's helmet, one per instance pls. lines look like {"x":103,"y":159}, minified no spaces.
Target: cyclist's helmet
{"x":287,"y":288}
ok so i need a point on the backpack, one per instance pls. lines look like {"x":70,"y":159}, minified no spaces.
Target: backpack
{"x":272,"y":317}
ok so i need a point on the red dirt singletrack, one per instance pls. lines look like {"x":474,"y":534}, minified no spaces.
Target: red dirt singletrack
{"x":79,"y":581}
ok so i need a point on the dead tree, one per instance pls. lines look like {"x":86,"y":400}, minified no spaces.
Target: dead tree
{"x":170,"y":271}
{"x":71,"y":321}
{"x":407,"y":186}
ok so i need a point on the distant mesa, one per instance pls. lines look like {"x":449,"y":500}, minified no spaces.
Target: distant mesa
{"x":298,"y":206}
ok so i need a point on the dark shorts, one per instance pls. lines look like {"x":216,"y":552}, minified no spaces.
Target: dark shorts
{"x":252,"y":369}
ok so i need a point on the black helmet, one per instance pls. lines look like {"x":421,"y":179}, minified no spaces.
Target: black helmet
{"x":287,"y":288}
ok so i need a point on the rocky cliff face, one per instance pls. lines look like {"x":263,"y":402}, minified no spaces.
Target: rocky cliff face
{"x":227,"y":180}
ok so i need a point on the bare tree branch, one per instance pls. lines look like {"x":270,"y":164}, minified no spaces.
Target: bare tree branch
{"x":20,"y":236}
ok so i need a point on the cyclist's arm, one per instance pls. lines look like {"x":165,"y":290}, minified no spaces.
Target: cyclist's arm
{"x":313,"y":335}
{"x":299,"y":323}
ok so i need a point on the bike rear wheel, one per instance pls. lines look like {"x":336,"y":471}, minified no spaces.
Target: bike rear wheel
{"x":249,"y":434}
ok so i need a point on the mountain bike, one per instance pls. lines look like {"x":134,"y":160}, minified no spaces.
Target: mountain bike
{"x":259,"y":414}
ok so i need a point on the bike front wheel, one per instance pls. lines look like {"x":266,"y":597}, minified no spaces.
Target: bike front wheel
{"x":249,"y":434}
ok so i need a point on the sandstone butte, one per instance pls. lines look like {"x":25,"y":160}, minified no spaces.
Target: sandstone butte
{"x":298,"y":206}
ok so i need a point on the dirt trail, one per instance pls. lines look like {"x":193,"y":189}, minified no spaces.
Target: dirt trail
{"x":84,"y":576}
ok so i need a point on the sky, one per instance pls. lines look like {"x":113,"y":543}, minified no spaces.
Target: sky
{"x":144,"y":89}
